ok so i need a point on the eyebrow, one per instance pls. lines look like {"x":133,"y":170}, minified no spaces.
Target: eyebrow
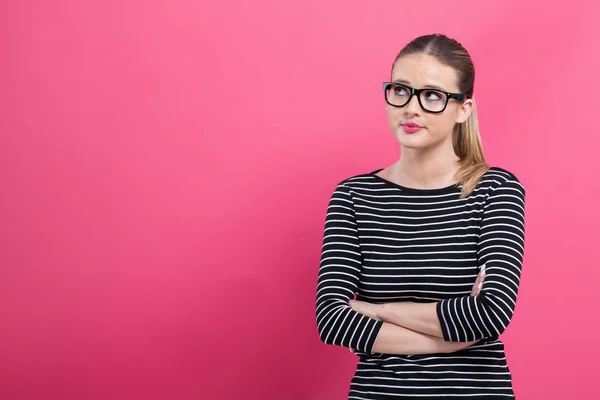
{"x":426,"y":86}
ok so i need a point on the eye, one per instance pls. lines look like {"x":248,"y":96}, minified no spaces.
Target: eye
{"x":400,"y":90}
{"x":433,"y":95}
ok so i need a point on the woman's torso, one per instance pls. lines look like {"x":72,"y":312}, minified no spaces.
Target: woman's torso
{"x":421,"y":245}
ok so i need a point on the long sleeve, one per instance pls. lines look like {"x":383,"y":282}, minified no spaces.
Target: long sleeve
{"x":501,"y":248}
{"x":339,"y":274}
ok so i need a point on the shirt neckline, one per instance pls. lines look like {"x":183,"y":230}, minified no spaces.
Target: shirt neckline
{"x":447,"y":189}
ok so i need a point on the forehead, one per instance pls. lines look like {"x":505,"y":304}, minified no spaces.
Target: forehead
{"x":422,"y":70}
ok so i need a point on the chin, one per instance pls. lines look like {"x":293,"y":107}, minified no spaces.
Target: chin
{"x":414,"y":146}
{"x":411,"y":140}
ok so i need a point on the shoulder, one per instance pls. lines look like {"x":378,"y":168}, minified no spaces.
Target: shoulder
{"x":357,"y":181}
{"x":501,"y":173}
{"x":500,"y":179}
{"x":348,"y":187}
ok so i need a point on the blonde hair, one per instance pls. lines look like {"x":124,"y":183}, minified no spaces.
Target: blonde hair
{"x":467,"y":146}
{"x":465,"y":137}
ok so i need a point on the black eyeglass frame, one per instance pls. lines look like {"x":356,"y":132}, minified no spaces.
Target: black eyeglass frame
{"x":417,"y":92}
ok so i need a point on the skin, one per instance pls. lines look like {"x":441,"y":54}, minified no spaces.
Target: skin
{"x":427,"y":157}
{"x":427,"y":161}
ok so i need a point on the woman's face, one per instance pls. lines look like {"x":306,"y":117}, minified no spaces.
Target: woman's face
{"x":421,"y":71}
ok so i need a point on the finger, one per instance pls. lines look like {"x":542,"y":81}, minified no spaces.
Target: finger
{"x":478,"y":280}
{"x":474,"y":289}
{"x":477,"y":285}
{"x":480,"y":284}
{"x":480,"y":276}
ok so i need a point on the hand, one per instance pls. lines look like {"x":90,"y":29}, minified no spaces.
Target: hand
{"x":367,"y":309}
{"x":478,"y":282}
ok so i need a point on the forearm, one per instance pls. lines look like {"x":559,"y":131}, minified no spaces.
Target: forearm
{"x":419,"y":317}
{"x":394,"y":339}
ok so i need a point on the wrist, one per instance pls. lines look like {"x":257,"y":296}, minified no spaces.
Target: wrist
{"x":382,"y":311}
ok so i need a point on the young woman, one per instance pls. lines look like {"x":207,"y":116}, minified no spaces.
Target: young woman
{"x":432,"y":246}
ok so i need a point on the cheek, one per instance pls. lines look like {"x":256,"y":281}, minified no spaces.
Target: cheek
{"x":392,"y":119}
{"x":395,"y":114}
{"x":441,"y":125}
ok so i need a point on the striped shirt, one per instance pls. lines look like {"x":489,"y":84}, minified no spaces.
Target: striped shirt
{"x":385,"y":243}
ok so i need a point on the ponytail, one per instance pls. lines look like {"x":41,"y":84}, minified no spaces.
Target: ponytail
{"x":467,"y":146}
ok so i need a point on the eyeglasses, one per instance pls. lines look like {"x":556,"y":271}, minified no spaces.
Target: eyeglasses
{"x":431,"y":100}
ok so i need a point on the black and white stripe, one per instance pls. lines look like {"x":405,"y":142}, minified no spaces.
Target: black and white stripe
{"x":384,"y":243}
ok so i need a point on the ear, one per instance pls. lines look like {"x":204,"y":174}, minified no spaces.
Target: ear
{"x":464,"y":111}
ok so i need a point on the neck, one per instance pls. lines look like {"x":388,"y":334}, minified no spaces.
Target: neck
{"x":430,"y":168}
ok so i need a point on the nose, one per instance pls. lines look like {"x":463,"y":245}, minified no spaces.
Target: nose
{"x":413,"y":106}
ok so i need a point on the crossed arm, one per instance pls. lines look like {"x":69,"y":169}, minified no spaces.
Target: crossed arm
{"x":420,"y":328}
{"x":411,"y":328}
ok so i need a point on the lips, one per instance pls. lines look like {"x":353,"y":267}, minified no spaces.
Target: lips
{"x":411,"y":127}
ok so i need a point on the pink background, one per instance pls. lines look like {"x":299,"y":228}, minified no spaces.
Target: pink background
{"x":166,"y":166}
